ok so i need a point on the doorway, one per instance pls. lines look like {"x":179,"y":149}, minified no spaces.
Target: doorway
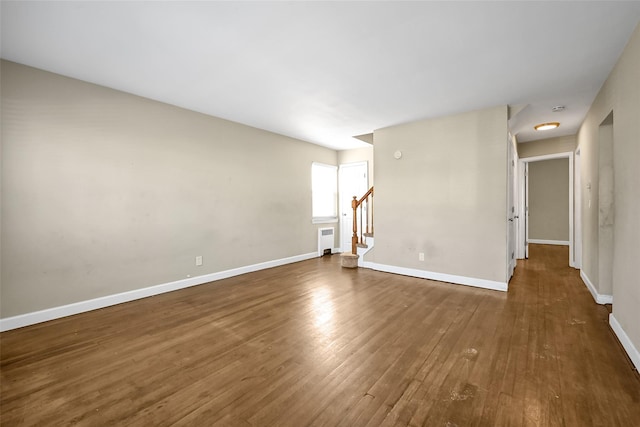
{"x":353,"y":181}
{"x":524,"y":175}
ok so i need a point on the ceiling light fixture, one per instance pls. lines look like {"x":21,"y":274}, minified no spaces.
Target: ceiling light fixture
{"x":546,"y":126}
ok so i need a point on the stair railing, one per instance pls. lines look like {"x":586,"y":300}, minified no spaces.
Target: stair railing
{"x":367,"y":202}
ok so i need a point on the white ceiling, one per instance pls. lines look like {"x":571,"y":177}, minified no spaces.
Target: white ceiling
{"x":326,"y":71}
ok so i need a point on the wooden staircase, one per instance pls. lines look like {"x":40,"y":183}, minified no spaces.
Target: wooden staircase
{"x":365,"y":216}
{"x":362,"y":229}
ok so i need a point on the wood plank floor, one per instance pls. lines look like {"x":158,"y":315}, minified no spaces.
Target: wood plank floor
{"x":314,"y":344}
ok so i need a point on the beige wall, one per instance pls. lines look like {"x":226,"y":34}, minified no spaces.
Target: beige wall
{"x":561,"y":144}
{"x":620,"y":94}
{"x":606,"y":206}
{"x":446,"y":196}
{"x":105,"y":192}
{"x":549,"y":200}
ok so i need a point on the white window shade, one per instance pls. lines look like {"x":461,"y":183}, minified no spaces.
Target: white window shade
{"x":324,"y":192}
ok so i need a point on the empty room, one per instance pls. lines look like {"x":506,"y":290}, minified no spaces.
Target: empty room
{"x":288,"y":213}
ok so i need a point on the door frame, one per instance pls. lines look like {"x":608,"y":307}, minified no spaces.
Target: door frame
{"x":348,"y":228}
{"x":523,"y":193}
{"x":513,"y":207}
{"x":577,"y":214}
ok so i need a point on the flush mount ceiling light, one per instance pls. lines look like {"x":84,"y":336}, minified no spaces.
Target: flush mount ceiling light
{"x":546,"y":126}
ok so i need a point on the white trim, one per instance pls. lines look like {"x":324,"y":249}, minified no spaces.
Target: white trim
{"x":441,"y":277}
{"x":549,"y":242}
{"x":547,"y":157}
{"x":523,"y":204}
{"x":598,"y":298}
{"x":324,"y":221}
{"x":571,"y":213}
{"x":577,"y":213}
{"x":631,"y":350}
{"x":109,"y":300}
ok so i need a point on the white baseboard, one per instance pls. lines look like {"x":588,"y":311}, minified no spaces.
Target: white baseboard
{"x":109,"y":300}
{"x":549,"y":242}
{"x":598,"y":298}
{"x":363,"y":251}
{"x":631,"y":350}
{"x":441,"y":277}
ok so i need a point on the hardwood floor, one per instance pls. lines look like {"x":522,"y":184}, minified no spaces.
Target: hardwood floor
{"x":315,"y":344}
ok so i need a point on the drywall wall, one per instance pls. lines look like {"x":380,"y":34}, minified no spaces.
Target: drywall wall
{"x":104,"y":192}
{"x":445,"y":197}
{"x":561,"y":144}
{"x":549,"y":200}
{"x":620,"y":94}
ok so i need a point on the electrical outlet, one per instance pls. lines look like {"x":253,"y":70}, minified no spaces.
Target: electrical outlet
{"x":421,"y":256}
{"x":199,"y":260}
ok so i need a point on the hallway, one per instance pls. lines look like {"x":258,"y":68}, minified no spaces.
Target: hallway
{"x":563,"y":344}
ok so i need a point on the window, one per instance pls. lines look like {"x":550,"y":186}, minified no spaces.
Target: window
{"x":324,"y":192}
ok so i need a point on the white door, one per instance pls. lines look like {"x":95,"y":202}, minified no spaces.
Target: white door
{"x":512,"y":216}
{"x":353,"y":181}
{"x":522,"y":249}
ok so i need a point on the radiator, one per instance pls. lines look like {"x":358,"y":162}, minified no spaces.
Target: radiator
{"x":325,"y":240}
